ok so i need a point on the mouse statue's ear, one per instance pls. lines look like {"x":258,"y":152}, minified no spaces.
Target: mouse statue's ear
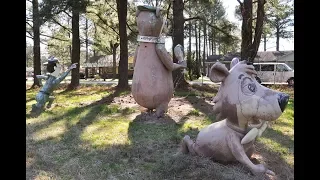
{"x":158,"y":12}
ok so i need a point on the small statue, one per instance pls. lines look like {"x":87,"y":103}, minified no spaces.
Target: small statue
{"x":239,"y":101}
{"x":53,"y":80}
{"x":152,"y":84}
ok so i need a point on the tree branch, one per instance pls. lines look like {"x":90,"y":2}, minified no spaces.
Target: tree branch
{"x":67,"y":13}
{"x":53,"y":37}
{"x":29,"y":24}
{"x":197,"y":17}
{"x":65,"y":28}
{"x":213,"y":26}
{"x":111,"y":6}
{"x":29,"y":37}
{"x":168,"y":10}
{"x":29,"y":33}
{"x":104,"y":21}
{"x":131,"y":29}
{"x":241,"y":4}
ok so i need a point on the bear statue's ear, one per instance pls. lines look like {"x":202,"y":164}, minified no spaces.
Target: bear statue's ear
{"x":137,"y":13}
{"x":157,"y":12}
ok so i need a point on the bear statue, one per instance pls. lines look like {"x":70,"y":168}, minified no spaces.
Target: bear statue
{"x":152,"y":84}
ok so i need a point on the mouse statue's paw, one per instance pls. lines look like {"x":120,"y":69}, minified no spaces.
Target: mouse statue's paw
{"x":183,"y":63}
{"x":260,"y":168}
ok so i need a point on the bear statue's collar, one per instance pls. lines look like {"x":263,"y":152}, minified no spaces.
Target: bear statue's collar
{"x":151,"y":39}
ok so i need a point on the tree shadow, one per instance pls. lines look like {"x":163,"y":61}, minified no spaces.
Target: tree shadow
{"x":205,"y":88}
{"x":150,"y":154}
{"x":105,"y":100}
{"x":31,"y":99}
{"x":202,"y":105}
{"x":275,"y":162}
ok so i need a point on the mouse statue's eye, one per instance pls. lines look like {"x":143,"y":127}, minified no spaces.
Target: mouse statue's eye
{"x":248,"y":86}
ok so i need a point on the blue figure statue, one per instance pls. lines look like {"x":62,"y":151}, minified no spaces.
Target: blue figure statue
{"x":53,"y":80}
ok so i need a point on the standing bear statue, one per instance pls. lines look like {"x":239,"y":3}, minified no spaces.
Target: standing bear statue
{"x":152,"y":84}
{"x":239,"y":101}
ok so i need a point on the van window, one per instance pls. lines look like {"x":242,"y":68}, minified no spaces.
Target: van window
{"x":281,"y":68}
{"x":257,"y":67}
{"x":267,"y":67}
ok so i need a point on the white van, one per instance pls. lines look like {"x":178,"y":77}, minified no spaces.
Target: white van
{"x":270,"y":72}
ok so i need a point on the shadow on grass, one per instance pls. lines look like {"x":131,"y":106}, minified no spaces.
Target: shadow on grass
{"x":151,"y":151}
{"x":105,"y":100}
{"x":275,"y":162}
{"x":31,"y":99}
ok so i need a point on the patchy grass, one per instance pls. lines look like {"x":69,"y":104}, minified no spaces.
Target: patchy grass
{"x":194,"y":112}
{"x":81,"y":139}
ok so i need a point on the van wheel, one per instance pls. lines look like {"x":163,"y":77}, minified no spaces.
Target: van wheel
{"x":291,"y":82}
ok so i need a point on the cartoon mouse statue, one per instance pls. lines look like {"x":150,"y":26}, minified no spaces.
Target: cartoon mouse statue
{"x":152,"y":84}
{"x":53,"y":80}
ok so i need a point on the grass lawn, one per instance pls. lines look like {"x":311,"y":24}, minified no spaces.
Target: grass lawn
{"x":96,"y":132}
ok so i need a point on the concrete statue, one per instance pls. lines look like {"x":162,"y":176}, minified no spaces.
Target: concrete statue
{"x":52,"y":81}
{"x":239,"y":101}
{"x":152,"y":85}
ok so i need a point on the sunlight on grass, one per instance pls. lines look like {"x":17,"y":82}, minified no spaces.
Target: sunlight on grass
{"x":106,"y":132}
{"x":196,"y":124}
{"x":53,"y":131}
{"x":194,"y":112}
{"x":44,"y":175}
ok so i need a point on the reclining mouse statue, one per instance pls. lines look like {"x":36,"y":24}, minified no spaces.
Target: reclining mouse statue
{"x":152,"y":85}
{"x":240,"y":100}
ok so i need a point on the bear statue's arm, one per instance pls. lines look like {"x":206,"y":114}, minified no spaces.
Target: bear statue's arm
{"x":165,"y":57}
{"x":135,"y":55}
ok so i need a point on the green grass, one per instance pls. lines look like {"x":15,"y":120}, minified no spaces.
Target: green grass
{"x":77,"y":140}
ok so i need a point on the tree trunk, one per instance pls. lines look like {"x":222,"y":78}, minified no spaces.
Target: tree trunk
{"x":278,"y":38}
{"x":87,"y":50}
{"x":178,"y":37}
{"x":248,"y":48}
{"x":123,"y":63}
{"x":214,"y":43}
{"x":189,"y":53}
{"x":36,"y":44}
{"x":258,"y":30}
{"x":114,"y":62}
{"x":197,"y":53}
{"x":204,"y":49}
{"x":75,"y":58}
{"x":69,"y":35}
{"x":95,"y":37}
{"x":199,"y":44}
{"x":212,"y":52}
{"x":264,"y":42}
{"x":246,"y":29}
